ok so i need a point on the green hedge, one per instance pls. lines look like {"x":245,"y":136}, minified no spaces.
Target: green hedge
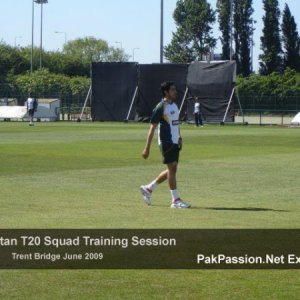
{"x":278,"y":85}
{"x":45,"y":84}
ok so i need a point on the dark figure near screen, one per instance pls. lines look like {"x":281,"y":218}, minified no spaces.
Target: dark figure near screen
{"x":197,"y":113}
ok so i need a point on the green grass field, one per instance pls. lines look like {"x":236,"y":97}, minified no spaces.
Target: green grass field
{"x":87,"y":176}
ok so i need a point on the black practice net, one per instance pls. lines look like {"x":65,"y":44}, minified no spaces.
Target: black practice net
{"x":113,"y":86}
{"x":150,"y":79}
{"x":212,"y":85}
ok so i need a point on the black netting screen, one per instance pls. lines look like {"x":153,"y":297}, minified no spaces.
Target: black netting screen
{"x":150,"y":79}
{"x":212,"y":84}
{"x":113,"y":85}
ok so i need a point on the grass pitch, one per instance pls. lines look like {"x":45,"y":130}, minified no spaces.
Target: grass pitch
{"x":66,"y":175}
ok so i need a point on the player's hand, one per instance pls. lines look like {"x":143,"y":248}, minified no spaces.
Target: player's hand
{"x":180,"y":144}
{"x":146,"y":153}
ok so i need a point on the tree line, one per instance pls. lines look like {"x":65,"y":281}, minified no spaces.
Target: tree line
{"x":74,"y":60}
{"x":64,"y":72}
{"x":194,"y":39}
{"x":68,"y":71}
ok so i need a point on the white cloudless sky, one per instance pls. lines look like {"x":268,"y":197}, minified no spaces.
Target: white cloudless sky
{"x":135,"y":23}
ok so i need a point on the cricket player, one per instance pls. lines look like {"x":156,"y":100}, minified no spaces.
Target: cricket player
{"x":166,"y":117}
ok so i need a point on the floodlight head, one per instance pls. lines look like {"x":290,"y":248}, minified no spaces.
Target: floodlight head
{"x":41,"y":1}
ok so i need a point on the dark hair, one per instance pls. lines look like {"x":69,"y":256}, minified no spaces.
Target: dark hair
{"x":165,"y":87}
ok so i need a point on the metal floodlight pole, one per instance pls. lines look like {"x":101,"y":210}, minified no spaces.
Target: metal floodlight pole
{"x":231,"y":29}
{"x":32,"y":38}
{"x":162,"y":32}
{"x":252,"y":47}
{"x":41,"y":45}
{"x":41,"y":2}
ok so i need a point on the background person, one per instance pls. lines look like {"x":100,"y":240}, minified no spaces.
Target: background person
{"x":31,"y":108}
{"x":197,"y":113}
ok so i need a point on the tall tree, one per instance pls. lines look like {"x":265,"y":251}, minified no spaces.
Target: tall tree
{"x":90,"y":49}
{"x":180,"y":50}
{"x":271,"y":58}
{"x":223,"y":9}
{"x":243,"y":32}
{"x":291,"y":42}
{"x":11,"y":61}
{"x":193,"y":39}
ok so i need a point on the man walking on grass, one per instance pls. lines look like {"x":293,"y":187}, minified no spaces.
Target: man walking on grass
{"x":166,"y":117}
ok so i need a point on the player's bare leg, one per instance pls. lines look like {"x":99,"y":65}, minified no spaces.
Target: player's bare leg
{"x":162,"y":177}
{"x":176,"y":200}
{"x":172,"y":170}
{"x":147,"y":190}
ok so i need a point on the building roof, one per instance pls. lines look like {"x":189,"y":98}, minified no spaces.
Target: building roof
{"x":47,"y":101}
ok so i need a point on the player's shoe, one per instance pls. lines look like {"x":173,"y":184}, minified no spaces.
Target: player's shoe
{"x":146,"y":193}
{"x":180,"y":204}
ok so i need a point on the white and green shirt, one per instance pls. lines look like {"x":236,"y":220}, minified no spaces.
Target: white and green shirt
{"x":167,"y":116}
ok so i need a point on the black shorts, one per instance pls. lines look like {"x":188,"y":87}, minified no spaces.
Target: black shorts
{"x":170,"y":153}
{"x":31,"y":112}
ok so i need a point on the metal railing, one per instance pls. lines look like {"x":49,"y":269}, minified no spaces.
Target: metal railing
{"x":73,"y":113}
{"x":274,"y":103}
{"x":265,"y":116}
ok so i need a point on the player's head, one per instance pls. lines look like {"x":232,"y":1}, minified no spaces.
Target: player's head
{"x":168,"y":90}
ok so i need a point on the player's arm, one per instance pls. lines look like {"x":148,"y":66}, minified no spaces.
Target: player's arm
{"x":180,"y":144}
{"x":155,"y":120}
{"x":150,"y":136}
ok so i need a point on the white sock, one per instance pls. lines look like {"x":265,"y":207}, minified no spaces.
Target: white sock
{"x":152,"y":186}
{"x":175,"y":195}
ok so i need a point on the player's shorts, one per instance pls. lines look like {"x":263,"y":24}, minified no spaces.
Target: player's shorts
{"x":31,"y":112}
{"x":170,"y":153}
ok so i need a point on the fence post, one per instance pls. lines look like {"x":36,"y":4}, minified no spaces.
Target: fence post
{"x":131,"y":104}
{"x":260,"y":119}
{"x":228,"y":106}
